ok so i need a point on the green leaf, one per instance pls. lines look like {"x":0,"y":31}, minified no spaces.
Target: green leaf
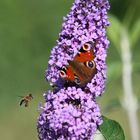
{"x":129,"y":16}
{"x":111,"y":130}
{"x":135,"y":33}
{"x":114,"y":30}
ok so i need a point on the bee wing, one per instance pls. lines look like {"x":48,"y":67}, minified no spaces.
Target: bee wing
{"x":20,"y":96}
{"x":21,"y":102}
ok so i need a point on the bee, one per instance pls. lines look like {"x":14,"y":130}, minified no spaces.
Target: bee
{"x":25,"y":100}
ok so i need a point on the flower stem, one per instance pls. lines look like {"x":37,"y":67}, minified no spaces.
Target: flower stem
{"x":129,"y":100}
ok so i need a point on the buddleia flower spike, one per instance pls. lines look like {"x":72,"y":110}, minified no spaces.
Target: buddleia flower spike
{"x":85,"y":24}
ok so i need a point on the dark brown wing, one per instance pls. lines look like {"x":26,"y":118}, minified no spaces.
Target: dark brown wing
{"x":83,"y":73}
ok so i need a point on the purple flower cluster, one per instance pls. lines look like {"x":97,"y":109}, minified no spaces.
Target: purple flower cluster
{"x":69,"y":114}
{"x":86,"y":22}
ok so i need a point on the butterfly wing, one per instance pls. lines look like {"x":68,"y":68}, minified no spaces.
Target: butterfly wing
{"x":82,"y":68}
{"x":83,"y":73}
{"x":84,"y":56}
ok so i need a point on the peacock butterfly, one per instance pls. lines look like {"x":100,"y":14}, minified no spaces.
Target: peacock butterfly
{"x":82,"y":68}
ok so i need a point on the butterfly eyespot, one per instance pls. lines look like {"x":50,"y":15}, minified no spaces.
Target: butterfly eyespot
{"x":90,"y":64}
{"x":62,"y":74}
{"x":77,"y":80}
{"x":86,"y":46}
{"x":64,"y":68}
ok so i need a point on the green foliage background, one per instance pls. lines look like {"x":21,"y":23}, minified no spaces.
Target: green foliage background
{"x":28,"y":31}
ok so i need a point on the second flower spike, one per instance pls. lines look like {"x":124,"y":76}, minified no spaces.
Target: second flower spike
{"x":69,"y":114}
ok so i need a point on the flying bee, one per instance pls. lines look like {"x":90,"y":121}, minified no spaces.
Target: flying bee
{"x":26,"y":99}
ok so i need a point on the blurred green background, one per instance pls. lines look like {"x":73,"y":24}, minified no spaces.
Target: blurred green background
{"x":28,"y":31}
